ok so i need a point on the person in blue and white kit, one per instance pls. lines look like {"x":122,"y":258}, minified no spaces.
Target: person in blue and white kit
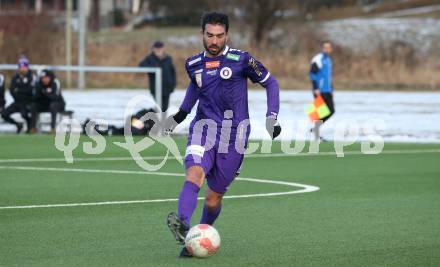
{"x":322,"y":81}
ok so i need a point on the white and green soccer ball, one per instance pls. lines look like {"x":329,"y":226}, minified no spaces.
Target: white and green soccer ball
{"x":202,"y":241}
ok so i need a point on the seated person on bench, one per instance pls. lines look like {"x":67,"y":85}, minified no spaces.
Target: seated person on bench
{"x":21,"y":89}
{"x":47,"y":98}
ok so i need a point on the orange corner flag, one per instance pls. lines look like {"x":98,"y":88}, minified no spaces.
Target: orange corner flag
{"x":318,"y":109}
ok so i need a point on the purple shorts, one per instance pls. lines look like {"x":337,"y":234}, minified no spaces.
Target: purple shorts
{"x":220,"y":168}
{"x":221,"y":161}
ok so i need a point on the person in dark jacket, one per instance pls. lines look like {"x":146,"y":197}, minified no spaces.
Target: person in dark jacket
{"x":159,"y":58}
{"x":47,"y":98}
{"x":21,"y":88}
{"x":2,"y":92}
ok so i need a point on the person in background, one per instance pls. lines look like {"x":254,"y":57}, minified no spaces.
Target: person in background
{"x":21,"y":88}
{"x":2,"y":92}
{"x":159,"y":58}
{"x":47,"y":98}
{"x":322,"y":81}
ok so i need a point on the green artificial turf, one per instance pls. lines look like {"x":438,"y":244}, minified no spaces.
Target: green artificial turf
{"x":370,"y":210}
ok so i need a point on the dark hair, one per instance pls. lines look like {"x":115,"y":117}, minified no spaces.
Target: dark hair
{"x":158,"y":44}
{"x":215,"y":18}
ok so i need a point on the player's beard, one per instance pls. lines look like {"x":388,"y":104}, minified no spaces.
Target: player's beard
{"x":215,"y":52}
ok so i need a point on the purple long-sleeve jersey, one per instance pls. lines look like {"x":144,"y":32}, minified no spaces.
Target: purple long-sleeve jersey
{"x":220,"y":84}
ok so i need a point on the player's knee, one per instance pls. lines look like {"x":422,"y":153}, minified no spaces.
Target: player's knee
{"x":4,"y":114}
{"x":196,"y":175}
{"x":212,"y":202}
{"x":54,"y":107}
{"x":34,"y":108}
{"x":25,"y":115}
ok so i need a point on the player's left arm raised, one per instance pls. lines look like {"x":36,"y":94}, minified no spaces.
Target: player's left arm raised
{"x":257,"y":73}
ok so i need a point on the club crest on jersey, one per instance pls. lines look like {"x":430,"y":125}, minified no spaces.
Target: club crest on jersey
{"x":226,"y":73}
{"x":212,"y":64}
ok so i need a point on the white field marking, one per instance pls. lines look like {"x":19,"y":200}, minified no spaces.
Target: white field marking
{"x":304,"y":188}
{"x":268,"y":155}
{"x":303,"y":154}
{"x":25,"y":168}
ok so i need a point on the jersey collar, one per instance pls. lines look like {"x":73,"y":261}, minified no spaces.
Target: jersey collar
{"x":225,"y":51}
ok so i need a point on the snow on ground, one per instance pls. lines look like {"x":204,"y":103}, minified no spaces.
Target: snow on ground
{"x":407,"y":116}
{"x":411,"y":11}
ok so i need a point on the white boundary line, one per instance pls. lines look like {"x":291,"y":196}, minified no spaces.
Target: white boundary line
{"x":304,"y":188}
{"x":268,"y":155}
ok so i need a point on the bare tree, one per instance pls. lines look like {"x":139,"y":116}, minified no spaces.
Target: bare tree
{"x":94,"y":18}
{"x":262,"y":16}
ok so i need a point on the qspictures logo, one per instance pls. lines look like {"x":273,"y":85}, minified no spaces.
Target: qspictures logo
{"x":207,"y":134}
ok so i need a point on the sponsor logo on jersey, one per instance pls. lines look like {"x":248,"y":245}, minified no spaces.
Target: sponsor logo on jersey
{"x":233,"y":56}
{"x":226,"y":73}
{"x":212,"y":72}
{"x":253,"y":64}
{"x":212,"y":64}
{"x":199,"y":79}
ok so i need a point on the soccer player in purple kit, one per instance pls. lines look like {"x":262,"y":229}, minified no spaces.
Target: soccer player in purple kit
{"x":218,"y":80}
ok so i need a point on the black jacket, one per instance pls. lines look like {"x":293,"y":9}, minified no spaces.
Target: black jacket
{"x":22,"y":87}
{"x":2,"y":91}
{"x":168,"y":73}
{"x":50,"y":93}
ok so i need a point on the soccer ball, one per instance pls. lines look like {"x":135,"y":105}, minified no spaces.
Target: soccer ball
{"x":202,"y":241}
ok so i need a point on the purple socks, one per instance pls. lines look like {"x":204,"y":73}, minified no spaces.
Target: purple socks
{"x":188,"y":201}
{"x":209,"y":216}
